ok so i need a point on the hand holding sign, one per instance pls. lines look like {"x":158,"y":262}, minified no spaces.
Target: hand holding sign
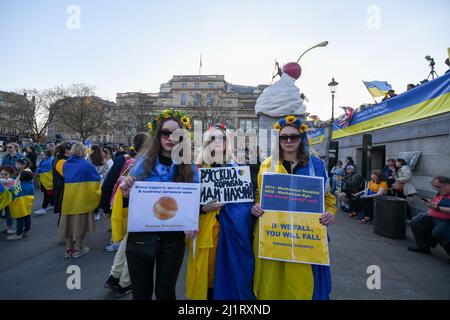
{"x":327,"y":218}
{"x":257,"y":211}
{"x":211,"y":206}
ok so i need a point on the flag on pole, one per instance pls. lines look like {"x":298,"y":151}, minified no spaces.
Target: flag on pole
{"x":345,"y":121}
{"x":377,"y":88}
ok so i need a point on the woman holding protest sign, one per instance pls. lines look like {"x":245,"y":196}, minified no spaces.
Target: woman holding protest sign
{"x":221,"y":265}
{"x":166,"y":249}
{"x":290,"y":280}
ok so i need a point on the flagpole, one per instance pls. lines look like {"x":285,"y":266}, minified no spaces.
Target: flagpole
{"x":200,"y":67}
{"x":369,"y":92}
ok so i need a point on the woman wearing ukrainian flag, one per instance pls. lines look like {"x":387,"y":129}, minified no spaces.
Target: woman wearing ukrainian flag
{"x":81,"y":197}
{"x":144,"y":250}
{"x":288,"y":280}
{"x":44,"y":173}
{"x":221,"y":266}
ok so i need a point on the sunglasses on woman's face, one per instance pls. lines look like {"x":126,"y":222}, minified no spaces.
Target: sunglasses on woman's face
{"x":165,"y":134}
{"x":9,"y":147}
{"x":294,"y":138}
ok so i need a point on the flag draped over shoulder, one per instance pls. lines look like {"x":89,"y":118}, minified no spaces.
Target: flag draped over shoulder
{"x":6,"y":197}
{"x":45,"y":173}
{"x":23,"y":200}
{"x":81,"y":186}
{"x":378,"y":88}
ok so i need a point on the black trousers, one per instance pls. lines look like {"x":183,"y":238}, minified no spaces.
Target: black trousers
{"x":144,"y":249}
{"x":48,"y":198}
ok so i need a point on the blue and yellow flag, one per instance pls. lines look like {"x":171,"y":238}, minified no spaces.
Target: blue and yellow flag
{"x":45,"y":174}
{"x":6,"y":197}
{"x":23,"y":200}
{"x":378,"y":88}
{"x":81,"y":186}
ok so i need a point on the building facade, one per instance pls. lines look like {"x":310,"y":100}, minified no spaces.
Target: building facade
{"x":12,"y":123}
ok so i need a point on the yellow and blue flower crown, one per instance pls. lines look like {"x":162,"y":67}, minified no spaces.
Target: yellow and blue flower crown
{"x":170,"y":114}
{"x":293,"y":121}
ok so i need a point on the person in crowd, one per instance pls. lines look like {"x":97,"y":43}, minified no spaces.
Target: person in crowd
{"x":288,"y":280}
{"x":51,"y":147}
{"x":222,"y":267}
{"x":403,"y":186}
{"x":12,"y":156}
{"x":45,"y":175}
{"x":337,"y":173}
{"x":433,"y":227}
{"x":166,"y":249}
{"x":364,"y":199}
{"x":410,"y":86}
{"x":390,"y":94}
{"x":121,"y":151}
{"x":108,"y":158}
{"x":119,"y":277}
{"x":7,"y":181}
{"x":118,"y":171}
{"x":30,"y":154}
{"x":20,"y":207}
{"x":349,"y":162}
{"x":389,"y":171}
{"x":62,"y":153}
{"x":81,"y":197}
{"x":97,"y":159}
{"x":353,"y":183}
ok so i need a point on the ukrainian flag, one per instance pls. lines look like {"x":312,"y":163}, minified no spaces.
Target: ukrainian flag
{"x":45,"y":174}
{"x":378,"y":88}
{"x":6,"y":197}
{"x":81,"y":186}
{"x":23,"y":201}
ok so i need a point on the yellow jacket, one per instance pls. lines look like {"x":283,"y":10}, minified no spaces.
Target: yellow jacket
{"x":201,"y":267}
{"x":119,"y":218}
{"x":279,"y":279}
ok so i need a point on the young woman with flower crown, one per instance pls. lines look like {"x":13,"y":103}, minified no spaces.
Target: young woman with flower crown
{"x":221,"y":266}
{"x":166,"y":249}
{"x":289,"y":280}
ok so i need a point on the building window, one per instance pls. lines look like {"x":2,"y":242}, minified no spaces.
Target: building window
{"x":229,"y":101}
{"x":183,"y":98}
{"x":248,"y":124}
{"x":197,"y":85}
{"x":209,"y":99}
{"x":184,"y":85}
{"x":197,"y":99}
{"x":210,"y":85}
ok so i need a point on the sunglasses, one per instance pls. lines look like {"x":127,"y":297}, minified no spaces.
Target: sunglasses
{"x":294,"y":138}
{"x":9,"y":147}
{"x":165,"y":134}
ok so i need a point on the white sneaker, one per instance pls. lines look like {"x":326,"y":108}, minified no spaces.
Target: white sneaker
{"x":50,"y":207}
{"x":97,"y":217}
{"x":40,"y":212}
{"x":11,"y":231}
{"x":14,"y":237}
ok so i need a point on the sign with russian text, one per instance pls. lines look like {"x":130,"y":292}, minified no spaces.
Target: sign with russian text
{"x":226,"y":185}
{"x":168,"y":206}
{"x":290,"y":229}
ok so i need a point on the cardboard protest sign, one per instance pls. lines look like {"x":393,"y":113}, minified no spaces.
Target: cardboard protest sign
{"x":156,"y":206}
{"x":226,"y":185}
{"x":290,"y":229}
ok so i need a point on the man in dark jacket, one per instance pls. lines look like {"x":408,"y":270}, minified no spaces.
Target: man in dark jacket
{"x":353,"y":183}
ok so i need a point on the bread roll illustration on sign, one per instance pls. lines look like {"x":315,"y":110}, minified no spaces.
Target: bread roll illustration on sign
{"x":165,"y":208}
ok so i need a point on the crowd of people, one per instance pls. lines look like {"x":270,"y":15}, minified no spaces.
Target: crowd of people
{"x":80,"y":184}
{"x":356,"y":197}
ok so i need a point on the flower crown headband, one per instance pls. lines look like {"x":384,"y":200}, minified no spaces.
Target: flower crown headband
{"x":170,"y":114}
{"x":293,"y":121}
{"x":297,"y":123}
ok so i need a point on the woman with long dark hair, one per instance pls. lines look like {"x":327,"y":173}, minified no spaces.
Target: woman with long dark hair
{"x":165,"y":249}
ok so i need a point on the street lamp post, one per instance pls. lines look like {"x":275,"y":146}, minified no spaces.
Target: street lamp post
{"x":322,"y":44}
{"x":333,"y":86}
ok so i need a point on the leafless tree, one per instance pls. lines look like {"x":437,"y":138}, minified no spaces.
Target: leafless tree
{"x":34,"y":108}
{"x":82,"y":112}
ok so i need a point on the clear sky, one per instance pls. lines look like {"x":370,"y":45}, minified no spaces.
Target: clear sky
{"x":136,"y":45}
